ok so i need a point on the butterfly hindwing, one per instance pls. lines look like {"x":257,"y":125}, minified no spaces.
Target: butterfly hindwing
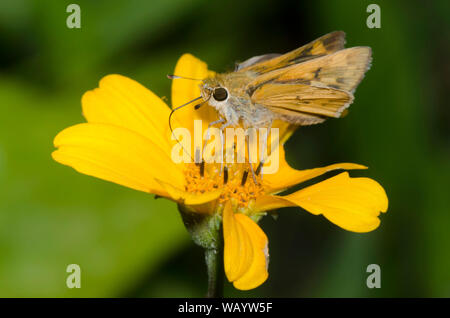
{"x":300,"y":103}
{"x":255,"y":60}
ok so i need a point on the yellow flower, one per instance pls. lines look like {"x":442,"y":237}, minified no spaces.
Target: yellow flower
{"x":127,"y":140}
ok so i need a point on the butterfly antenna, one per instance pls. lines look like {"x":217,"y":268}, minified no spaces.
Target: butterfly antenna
{"x":172,"y":76}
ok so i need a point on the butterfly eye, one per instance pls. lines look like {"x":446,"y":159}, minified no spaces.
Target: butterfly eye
{"x":220,"y":94}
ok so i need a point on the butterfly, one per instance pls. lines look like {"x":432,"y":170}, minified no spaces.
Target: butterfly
{"x":303,"y":87}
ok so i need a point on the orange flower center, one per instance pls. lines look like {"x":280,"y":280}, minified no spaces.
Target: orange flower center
{"x":236,"y":181}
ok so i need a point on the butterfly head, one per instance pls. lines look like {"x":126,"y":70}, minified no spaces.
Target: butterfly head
{"x":215,"y":93}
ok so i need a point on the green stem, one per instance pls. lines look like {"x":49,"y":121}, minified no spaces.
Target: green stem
{"x":206,"y":231}
{"x":214,"y":264}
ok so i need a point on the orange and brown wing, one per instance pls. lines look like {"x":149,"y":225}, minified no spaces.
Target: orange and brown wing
{"x":302,"y":104}
{"x":322,"y":46}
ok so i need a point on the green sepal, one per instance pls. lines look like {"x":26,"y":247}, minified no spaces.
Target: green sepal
{"x":203,"y":228}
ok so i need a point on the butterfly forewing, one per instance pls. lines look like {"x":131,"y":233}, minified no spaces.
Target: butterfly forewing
{"x":342,"y":70}
{"x":322,"y":46}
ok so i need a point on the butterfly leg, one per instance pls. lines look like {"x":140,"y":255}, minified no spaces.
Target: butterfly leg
{"x":221,"y":129}
{"x":262,"y":151}
{"x":220,"y":121}
{"x":247,"y":137}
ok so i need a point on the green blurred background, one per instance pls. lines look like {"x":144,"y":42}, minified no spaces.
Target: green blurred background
{"x":130,"y":245}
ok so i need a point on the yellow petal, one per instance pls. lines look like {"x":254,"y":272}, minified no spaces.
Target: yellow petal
{"x":238,"y":253}
{"x":351,"y":203}
{"x":285,"y":130}
{"x":188,"y":198}
{"x":257,"y":273}
{"x":185,"y":90}
{"x":118,"y":155}
{"x":287,"y":176}
{"x":271,"y":202}
{"x":245,"y":251}
{"x":123,"y":102}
